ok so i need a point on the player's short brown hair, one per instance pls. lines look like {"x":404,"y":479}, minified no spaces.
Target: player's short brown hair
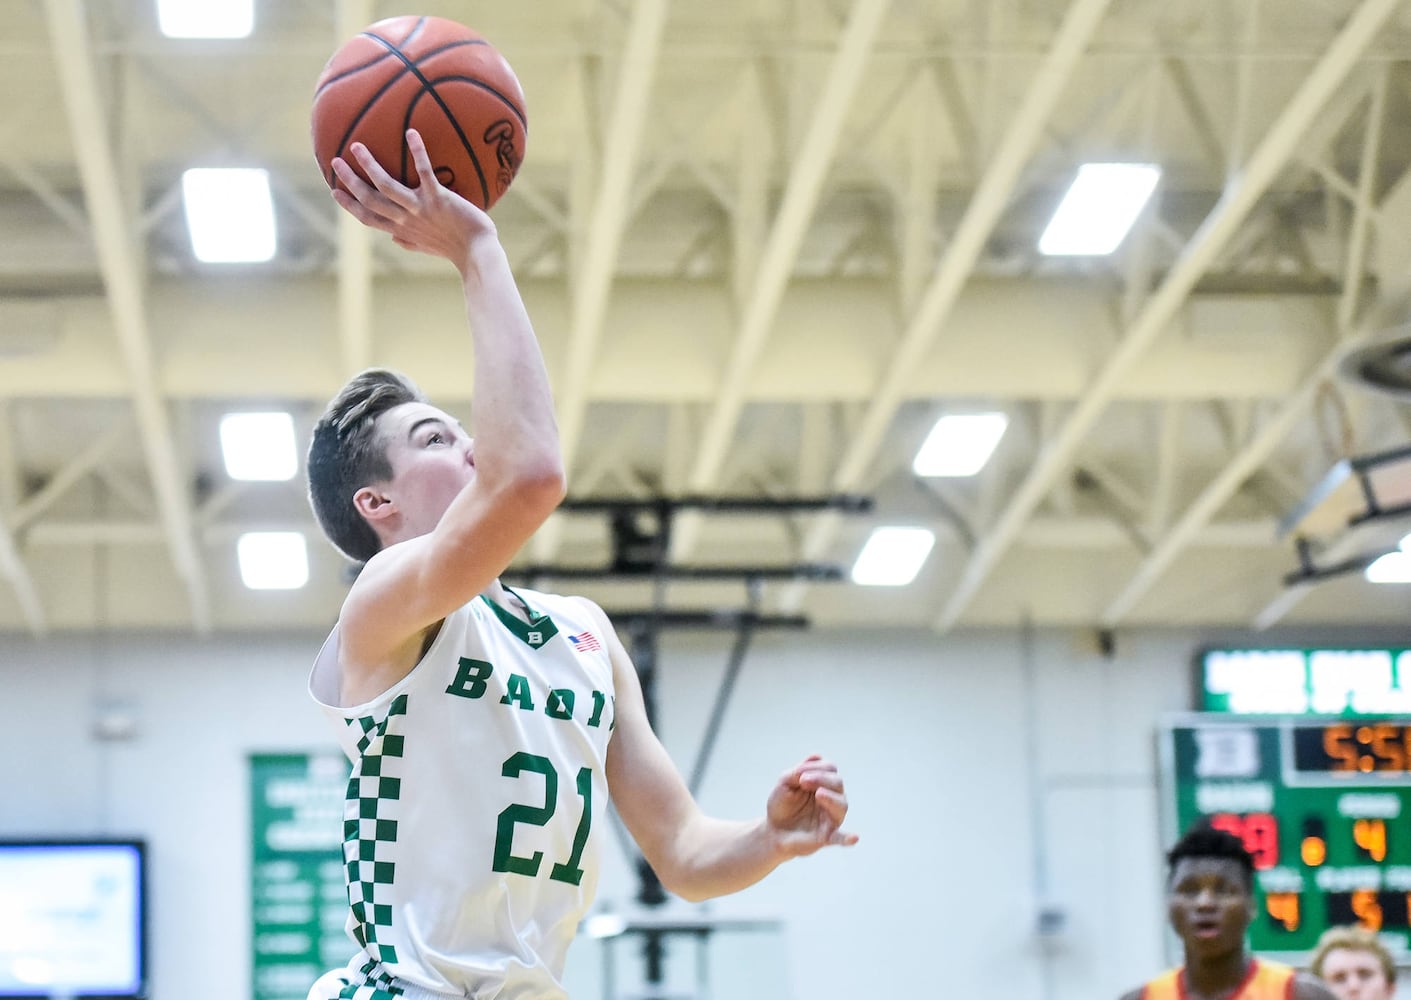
{"x":346,"y":453}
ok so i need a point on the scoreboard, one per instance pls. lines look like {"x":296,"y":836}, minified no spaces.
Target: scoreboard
{"x":1322,"y":803}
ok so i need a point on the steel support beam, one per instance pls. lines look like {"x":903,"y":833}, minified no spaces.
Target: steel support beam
{"x":621,"y":149}
{"x":805,"y":185}
{"x":1219,"y":491}
{"x":940,"y":296}
{"x":1244,"y":189}
{"x":12,"y":564}
{"x":120,"y":256}
{"x":354,"y":240}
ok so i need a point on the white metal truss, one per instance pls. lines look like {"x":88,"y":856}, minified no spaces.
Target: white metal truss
{"x":120,"y":258}
{"x":1246,"y":186}
{"x":764,"y":244}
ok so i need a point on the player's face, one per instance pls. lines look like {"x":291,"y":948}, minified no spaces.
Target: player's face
{"x":432,"y":460}
{"x":1209,"y":906}
{"x":1355,"y":974}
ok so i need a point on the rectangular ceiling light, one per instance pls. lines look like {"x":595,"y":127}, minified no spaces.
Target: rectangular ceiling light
{"x":892,"y":556}
{"x":1394,"y":567}
{"x":230,"y":214}
{"x":960,"y":444}
{"x":1099,"y":208}
{"x":273,"y":560}
{"x":259,"y":446}
{"x":206,"y":18}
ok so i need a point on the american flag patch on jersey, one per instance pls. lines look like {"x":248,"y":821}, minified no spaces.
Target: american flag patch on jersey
{"x":586,"y":642}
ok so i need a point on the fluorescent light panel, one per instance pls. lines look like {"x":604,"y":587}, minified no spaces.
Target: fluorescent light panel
{"x":1099,"y":209}
{"x":1394,"y":567}
{"x":259,"y":446}
{"x":892,"y":556}
{"x":229,"y":213}
{"x":206,"y":18}
{"x":960,"y":444}
{"x":273,"y":560}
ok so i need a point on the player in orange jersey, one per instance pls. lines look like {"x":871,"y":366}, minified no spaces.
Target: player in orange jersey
{"x":1210,"y":900}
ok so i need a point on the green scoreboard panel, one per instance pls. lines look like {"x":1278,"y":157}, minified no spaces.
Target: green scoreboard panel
{"x":1322,"y":803}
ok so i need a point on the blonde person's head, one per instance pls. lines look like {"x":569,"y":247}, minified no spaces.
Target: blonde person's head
{"x":1354,"y":939}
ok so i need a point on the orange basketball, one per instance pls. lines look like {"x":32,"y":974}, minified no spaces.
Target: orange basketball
{"x":433,"y":75}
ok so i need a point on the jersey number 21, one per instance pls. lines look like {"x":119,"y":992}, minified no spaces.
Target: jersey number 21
{"x":505,"y":858}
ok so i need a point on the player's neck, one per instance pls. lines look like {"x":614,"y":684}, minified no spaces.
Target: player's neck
{"x":1216,"y":977}
{"x":505,"y":598}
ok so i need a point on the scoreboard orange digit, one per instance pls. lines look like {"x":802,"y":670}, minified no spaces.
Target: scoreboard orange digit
{"x":1283,"y":907}
{"x":1371,"y":836}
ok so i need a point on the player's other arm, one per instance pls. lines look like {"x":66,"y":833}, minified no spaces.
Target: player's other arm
{"x":698,"y":856}
{"x":519,"y":476}
{"x":1307,"y":987}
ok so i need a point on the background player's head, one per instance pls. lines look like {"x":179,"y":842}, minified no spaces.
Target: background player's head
{"x":1209,"y":892}
{"x":1354,"y":964}
{"x":348,"y":451}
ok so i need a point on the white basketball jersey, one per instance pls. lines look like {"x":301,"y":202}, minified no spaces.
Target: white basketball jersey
{"x":477,"y":795}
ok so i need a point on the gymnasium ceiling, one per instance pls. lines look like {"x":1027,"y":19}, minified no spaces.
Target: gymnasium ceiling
{"x":765,"y":243}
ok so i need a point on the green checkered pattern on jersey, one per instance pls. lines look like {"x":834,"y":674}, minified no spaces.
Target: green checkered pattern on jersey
{"x":369,"y":831}
{"x":373,"y":987}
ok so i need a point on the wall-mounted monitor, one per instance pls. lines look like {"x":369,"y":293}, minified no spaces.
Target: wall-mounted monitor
{"x":73,"y":919}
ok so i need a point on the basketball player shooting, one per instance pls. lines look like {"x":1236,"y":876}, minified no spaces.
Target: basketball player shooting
{"x":487,"y":726}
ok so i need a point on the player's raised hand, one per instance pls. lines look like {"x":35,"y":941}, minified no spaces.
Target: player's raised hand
{"x":807,"y":807}
{"x":429,"y":218}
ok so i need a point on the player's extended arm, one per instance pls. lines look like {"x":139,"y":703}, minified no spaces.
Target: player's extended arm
{"x":698,"y":856}
{"x":519,"y":478}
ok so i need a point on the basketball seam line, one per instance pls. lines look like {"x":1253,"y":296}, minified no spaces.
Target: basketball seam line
{"x":430,"y":89}
{"x":350,"y":71}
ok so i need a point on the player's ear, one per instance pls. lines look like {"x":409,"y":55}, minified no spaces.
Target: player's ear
{"x":373,"y":505}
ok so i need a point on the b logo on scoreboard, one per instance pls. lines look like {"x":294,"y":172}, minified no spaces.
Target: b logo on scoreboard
{"x":1226,"y":753}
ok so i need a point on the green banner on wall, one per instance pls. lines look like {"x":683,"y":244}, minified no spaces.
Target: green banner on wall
{"x":297,"y":899}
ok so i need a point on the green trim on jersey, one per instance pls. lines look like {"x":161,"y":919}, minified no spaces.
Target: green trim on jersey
{"x":376,"y":985}
{"x":368,"y":833}
{"x":535,"y":633}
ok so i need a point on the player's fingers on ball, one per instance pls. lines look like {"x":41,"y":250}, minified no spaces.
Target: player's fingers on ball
{"x":421,"y":159}
{"x":352,"y":181}
{"x":357,"y":209}
{"x":361,"y":190}
{"x":390,"y":189}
